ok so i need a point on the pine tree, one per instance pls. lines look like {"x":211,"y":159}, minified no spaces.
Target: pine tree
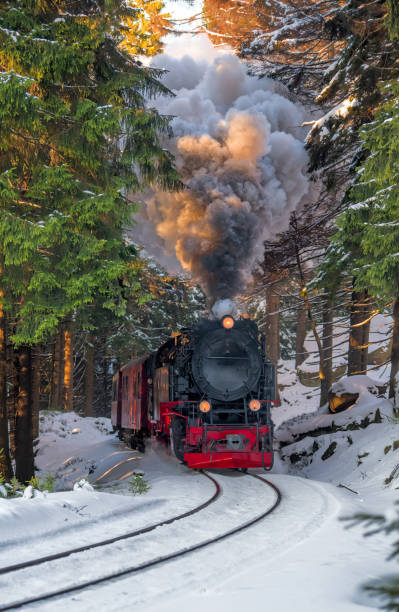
{"x":393,"y":18}
{"x":368,"y":234}
{"x":351,"y":91}
{"x":77,"y":141}
{"x":386,"y":590}
{"x":144,"y":29}
{"x":293,"y":42}
{"x":163,"y":304}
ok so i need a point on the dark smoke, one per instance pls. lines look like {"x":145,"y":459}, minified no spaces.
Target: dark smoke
{"x":239,"y":150}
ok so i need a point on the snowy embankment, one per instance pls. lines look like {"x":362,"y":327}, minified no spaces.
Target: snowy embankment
{"x":85,"y":513}
{"x":358,"y":448}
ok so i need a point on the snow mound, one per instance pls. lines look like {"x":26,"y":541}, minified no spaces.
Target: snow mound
{"x":55,"y":424}
{"x":83,"y":484}
{"x":69,"y":446}
{"x":359,"y":383}
{"x":361,"y":413}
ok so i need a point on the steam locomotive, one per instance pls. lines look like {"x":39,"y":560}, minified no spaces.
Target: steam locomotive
{"x":208,"y":390}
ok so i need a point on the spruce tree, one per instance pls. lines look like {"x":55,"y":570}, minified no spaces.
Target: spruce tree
{"x":77,"y":139}
{"x":386,"y":590}
{"x":367,"y":240}
{"x":351,"y":86}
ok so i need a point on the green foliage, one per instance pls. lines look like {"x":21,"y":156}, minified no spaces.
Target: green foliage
{"x":14,"y":488}
{"x":10,"y":489}
{"x":77,"y":140}
{"x":43,"y":484}
{"x":367,"y":239}
{"x":393,"y":18}
{"x":138,"y":485}
{"x":387,"y":590}
{"x":160,"y":303}
{"x":144,"y":30}
{"x":368,"y":56}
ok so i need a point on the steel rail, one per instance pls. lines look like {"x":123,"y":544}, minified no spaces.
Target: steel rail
{"x":153,"y":562}
{"x":125,"y":536}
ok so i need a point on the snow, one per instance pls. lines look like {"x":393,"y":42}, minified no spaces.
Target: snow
{"x":341,"y":111}
{"x":358,"y":383}
{"x":302,"y":555}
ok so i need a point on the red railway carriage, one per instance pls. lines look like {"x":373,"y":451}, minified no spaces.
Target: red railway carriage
{"x":116,"y":407}
{"x":209,"y":390}
{"x":130,"y":414}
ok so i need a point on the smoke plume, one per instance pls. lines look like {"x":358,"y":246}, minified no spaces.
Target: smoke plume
{"x":221,"y":308}
{"x":239,"y":150}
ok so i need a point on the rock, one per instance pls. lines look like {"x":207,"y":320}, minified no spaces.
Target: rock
{"x":338,"y":403}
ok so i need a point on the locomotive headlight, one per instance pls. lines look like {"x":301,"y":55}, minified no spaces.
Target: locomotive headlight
{"x":228,"y":322}
{"x":254,"y":405}
{"x":205,"y":406}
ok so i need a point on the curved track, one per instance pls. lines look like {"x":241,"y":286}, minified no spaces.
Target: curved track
{"x":147,"y":564}
{"x":125,"y":536}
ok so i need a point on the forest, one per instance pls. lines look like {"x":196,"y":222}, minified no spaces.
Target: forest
{"x":81,"y":142}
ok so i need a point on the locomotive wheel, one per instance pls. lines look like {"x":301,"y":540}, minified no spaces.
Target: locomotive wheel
{"x":178,"y":435}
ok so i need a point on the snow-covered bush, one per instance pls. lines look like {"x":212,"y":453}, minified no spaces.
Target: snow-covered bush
{"x":83,"y":484}
{"x":387,"y":589}
{"x":34,"y":488}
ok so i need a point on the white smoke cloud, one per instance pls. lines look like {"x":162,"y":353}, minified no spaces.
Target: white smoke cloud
{"x":221,"y":308}
{"x":239,"y":149}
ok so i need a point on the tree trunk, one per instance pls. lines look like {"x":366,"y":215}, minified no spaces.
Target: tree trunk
{"x":300,"y":354}
{"x":304,"y":294}
{"x":273,"y":323}
{"x":105,"y":402}
{"x":395,"y":351}
{"x":273,"y":327}
{"x":359,"y":333}
{"x":56,"y":391}
{"x":325,"y":383}
{"x":12,"y":399}
{"x":24,"y":458}
{"x":5,"y":463}
{"x":89,"y":378}
{"x":68,"y":368}
{"x":35,"y":391}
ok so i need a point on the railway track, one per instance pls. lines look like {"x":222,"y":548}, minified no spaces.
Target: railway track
{"x":126,"y":536}
{"x":13,"y":605}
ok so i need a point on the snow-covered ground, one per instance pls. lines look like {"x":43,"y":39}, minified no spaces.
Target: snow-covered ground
{"x":301,"y":556}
